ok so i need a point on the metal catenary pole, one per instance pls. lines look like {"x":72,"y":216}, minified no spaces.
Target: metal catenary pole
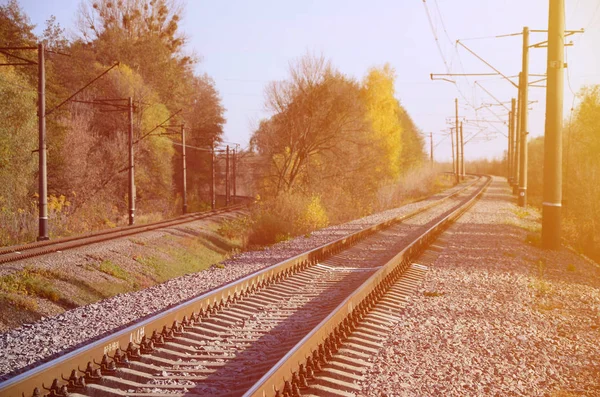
{"x":513,"y":138}
{"x":43,"y":171}
{"x":452,"y":142}
{"x":509,"y":150}
{"x":233,"y":179}
{"x":522,"y":199}
{"x":131,"y":164}
{"x":515,"y":164}
{"x":517,"y":169}
{"x":184,"y":169}
{"x":431,"y":148}
{"x":552,"y":190}
{"x":227,"y":176}
{"x":213,"y":203}
{"x":462,"y":154}
{"x":457,"y":167}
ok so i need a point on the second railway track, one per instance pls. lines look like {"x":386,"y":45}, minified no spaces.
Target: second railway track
{"x":20,"y":252}
{"x":254,"y":335}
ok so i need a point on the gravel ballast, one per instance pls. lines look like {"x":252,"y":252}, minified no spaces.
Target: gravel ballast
{"x":495,"y":315}
{"x":53,"y":336}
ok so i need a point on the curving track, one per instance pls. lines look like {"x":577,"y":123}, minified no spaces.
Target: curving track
{"x":254,"y":336}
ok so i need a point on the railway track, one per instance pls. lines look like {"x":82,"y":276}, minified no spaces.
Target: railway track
{"x":302,"y":326}
{"x":20,"y":252}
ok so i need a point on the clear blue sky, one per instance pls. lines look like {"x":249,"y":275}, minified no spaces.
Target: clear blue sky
{"x":245,"y":44}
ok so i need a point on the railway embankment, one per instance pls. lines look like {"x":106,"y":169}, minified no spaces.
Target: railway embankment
{"x":45,"y":286}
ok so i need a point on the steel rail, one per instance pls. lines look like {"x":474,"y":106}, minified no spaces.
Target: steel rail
{"x":15,"y":253}
{"x":279,"y":380}
{"x":184,"y":314}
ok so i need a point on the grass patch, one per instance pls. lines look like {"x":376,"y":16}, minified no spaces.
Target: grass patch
{"x":112,"y":269}
{"x":28,"y":282}
{"x":541,"y":287}
{"x":521,"y":213}
{"x":19,"y":301}
{"x":193,"y":255}
{"x":108,"y":289}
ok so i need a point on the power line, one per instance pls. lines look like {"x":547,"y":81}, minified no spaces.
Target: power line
{"x":435,"y":36}
{"x":437,"y":42}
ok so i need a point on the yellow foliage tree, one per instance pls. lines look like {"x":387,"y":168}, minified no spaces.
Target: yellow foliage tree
{"x":383,"y":112}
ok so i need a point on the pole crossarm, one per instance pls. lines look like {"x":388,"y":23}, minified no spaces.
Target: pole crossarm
{"x":490,"y":94}
{"x":106,"y":102}
{"x":17,"y":48}
{"x":15,"y":64}
{"x":487,"y":63}
{"x":161,"y":125}
{"x":544,"y":44}
{"x":531,"y":83}
{"x":27,"y":61}
{"x":433,"y":76}
{"x":567,"y":32}
{"x":82,"y":88}
{"x":483,"y":120}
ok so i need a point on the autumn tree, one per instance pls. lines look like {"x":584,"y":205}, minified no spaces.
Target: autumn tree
{"x":314,"y":112}
{"x":581,"y":171}
{"x":384,"y":113}
{"x":333,"y":138}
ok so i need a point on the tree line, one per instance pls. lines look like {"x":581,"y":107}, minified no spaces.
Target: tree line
{"x":87,"y":145}
{"x":580,"y":174}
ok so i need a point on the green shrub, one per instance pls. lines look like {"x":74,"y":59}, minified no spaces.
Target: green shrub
{"x":236,"y":228}
{"x":27,"y":282}
{"x":112,"y":269}
{"x":284,"y":216}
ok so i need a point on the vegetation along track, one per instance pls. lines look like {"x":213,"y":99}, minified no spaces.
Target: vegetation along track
{"x":16,"y":253}
{"x":224,"y":341}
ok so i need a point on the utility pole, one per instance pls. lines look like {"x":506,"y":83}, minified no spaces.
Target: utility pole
{"x":452,"y":141}
{"x":234,"y":173}
{"x":131,"y":165}
{"x":552,"y":193}
{"x":518,"y":138}
{"x":213,"y":203}
{"x":513,"y":139}
{"x":431,"y":148}
{"x":227,"y":176}
{"x":184,"y":169}
{"x":522,"y":199}
{"x":462,"y":154}
{"x":43,"y":171}
{"x":457,"y":170}
{"x":509,"y":150}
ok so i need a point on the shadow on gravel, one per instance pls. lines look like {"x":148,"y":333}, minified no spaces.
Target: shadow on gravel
{"x":503,"y":248}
